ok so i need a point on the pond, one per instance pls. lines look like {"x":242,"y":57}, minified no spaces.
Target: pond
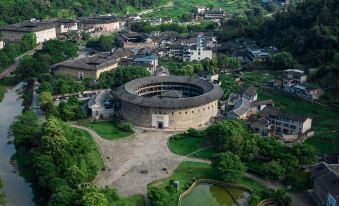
{"x":207,"y":194}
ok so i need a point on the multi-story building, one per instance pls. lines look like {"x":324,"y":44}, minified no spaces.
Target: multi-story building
{"x":43,"y":30}
{"x":288,"y":126}
{"x":198,"y":52}
{"x":292,"y":77}
{"x":325,"y":183}
{"x":308,"y":91}
{"x":150,"y":62}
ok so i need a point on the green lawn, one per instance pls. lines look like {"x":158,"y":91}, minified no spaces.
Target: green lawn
{"x":95,"y":154}
{"x":325,"y":121}
{"x":181,"y":7}
{"x":187,"y":145}
{"x":198,"y":171}
{"x":135,"y":200}
{"x":259,"y":76}
{"x":107,"y":129}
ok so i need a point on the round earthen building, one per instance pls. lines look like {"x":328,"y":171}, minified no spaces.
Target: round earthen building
{"x":169,"y":102}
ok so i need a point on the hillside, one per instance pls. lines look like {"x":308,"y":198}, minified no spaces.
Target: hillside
{"x":13,"y":11}
{"x":310,"y":31}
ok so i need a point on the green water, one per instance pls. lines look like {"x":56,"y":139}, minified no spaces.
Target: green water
{"x":205,"y":194}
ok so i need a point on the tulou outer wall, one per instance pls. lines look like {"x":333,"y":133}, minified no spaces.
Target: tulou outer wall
{"x":171,"y":118}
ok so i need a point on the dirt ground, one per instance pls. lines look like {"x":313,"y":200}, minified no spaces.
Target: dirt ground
{"x":126,"y":158}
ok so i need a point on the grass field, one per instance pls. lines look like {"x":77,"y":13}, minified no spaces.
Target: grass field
{"x":197,"y":171}
{"x":95,"y":154}
{"x":181,"y":7}
{"x":325,"y":121}
{"x":135,"y":200}
{"x":187,"y":145}
{"x":107,"y":129}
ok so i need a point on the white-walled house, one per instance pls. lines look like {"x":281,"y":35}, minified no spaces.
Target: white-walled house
{"x":198,"y":52}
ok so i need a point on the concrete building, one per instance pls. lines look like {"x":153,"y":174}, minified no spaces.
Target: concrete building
{"x":2,"y":44}
{"x":150,"y":62}
{"x":101,"y":106}
{"x":214,"y":13}
{"x":198,"y":52}
{"x":100,"y":23}
{"x":325,"y":183}
{"x":288,"y":127}
{"x":308,"y":91}
{"x":44,"y":31}
{"x":169,"y":102}
{"x":292,"y":77}
{"x":87,"y":67}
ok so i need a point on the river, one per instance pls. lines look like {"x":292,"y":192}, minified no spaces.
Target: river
{"x":18,"y":191}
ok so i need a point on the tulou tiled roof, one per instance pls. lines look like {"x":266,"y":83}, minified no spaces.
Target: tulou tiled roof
{"x":210,"y":93}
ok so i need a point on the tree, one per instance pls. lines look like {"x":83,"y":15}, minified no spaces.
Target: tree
{"x":46,"y":102}
{"x":249,"y":148}
{"x":53,"y":139}
{"x":105,"y":43}
{"x":273,"y":170}
{"x":282,"y":61}
{"x":28,"y":42}
{"x":121,"y":75}
{"x":227,"y":135}
{"x":305,"y":153}
{"x":26,"y":130}
{"x":226,"y":63}
{"x":228,"y":166}
{"x":3,"y":199}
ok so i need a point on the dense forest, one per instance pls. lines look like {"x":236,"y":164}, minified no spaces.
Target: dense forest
{"x":13,"y":11}
{"x":309,"y":31}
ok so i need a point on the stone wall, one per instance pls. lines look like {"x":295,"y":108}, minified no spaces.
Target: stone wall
{"x":181,"y":118}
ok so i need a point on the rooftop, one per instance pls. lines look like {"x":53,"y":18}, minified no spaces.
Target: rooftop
{"x":94,"y":63}
{"x":281,"y":114}
{"x":28,"y":26}
{"x":98,"y":19}
{"x":210,"y":92}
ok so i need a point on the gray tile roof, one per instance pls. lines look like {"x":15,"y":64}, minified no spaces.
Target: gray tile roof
{"x":28,"y":26}
{"x":93,"y":63}
{"x":267,"y":111}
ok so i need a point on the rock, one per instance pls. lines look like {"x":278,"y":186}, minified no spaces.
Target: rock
{"x":144,"y":171}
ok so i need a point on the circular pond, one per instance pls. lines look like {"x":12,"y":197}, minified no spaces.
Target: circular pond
{"x":209,"y":194}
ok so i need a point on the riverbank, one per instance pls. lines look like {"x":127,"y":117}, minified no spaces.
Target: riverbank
{"x":18,"y":191}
